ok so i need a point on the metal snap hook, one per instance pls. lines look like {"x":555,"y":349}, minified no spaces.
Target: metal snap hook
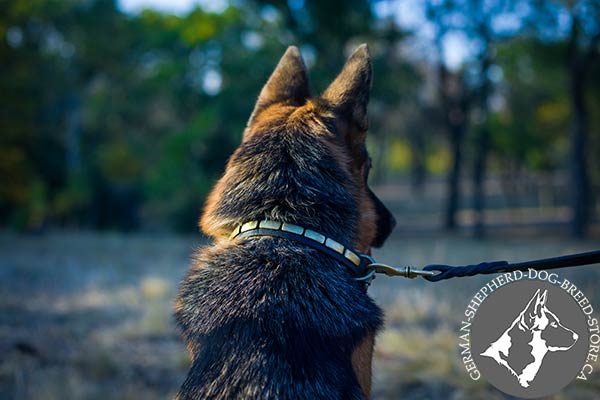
{"x":406,"y":271}
{"x":367,"y":278}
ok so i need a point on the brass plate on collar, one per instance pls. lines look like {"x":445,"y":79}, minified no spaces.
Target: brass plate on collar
{"x":316,"y":236}
{"x":350,"y":255}
{"x":248,"y":226}
{"x":292,"y":228}
{"x":234,"y":233}
{"x":333,"y":245}
{"x":268,"y":224}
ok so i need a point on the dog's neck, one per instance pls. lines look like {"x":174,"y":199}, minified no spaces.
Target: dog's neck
{"x":298,"y":182}
{"x":538,"y":351}
{"x":354,"y":261}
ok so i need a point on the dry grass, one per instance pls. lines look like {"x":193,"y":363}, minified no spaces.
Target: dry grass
{"x":88,"y":316}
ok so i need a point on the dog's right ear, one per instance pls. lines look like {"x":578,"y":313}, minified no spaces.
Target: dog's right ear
{"x":540,"y":303}
{"x":288,"y":84}
{"x":349,"y":93}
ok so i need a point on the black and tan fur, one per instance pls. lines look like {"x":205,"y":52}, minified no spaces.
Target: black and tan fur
{"x":270,"y":318}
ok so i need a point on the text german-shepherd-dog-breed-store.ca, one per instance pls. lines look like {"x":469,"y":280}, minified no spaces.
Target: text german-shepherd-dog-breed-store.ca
{"x":272,"y":308}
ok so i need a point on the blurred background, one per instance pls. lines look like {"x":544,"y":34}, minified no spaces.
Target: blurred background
{"x":118,"y":116}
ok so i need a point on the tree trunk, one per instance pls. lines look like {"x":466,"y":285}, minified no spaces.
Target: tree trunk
{"x":479,"y":174}
{"x":418,"y":169}
{"x":453,"y":180}
{"x":482,"y":144}
{"x":73,"y":133}
{"x":579,"y":61}
{"x":579,"y":178}
{"x":454,"y":105}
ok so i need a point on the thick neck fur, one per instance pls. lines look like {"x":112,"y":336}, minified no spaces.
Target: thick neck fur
{"x":538,"y":351}
{"x":269,"y":318}
{"x":285,"y":174}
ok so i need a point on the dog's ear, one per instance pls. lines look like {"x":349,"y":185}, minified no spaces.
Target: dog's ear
{"x":288,"y":84}
{"x":529,"y":312}
{"x":540,"y":303}
{"x":535,"y":307}
{"x":349,"y":93}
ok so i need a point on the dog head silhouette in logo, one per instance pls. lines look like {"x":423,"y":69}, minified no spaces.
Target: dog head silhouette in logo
{"x":534,"y":333}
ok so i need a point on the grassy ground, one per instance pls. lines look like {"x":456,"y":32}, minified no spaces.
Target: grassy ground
{"x":88,"y":316}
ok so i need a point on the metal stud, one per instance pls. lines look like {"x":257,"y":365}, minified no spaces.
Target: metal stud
{"x":350,"y":255}
{"x":316,"y":236}
{"x":248,"y":226}
{"x":234,"y":233}
{"x":268,"y":224}
{"x":298,"y":230}
{"x":333,"y":245}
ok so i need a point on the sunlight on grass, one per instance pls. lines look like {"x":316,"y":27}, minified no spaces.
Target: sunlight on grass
{"x":96,"y":297}
{"x":415,"y":305}
{"x":154,"y":288}
{"x":430,"y":355}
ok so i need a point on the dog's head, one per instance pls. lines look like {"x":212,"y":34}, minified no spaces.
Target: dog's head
{"x":337,"y":120}
{"x":537,"y":317}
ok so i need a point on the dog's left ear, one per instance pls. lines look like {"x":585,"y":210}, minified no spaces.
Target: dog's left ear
{"x":531,"y":310}
{"x":288,"y":84}
{"x":349,"y":92}
{"x":537,"y":304}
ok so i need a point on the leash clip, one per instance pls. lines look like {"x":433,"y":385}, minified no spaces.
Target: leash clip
{"x":405,"y":272}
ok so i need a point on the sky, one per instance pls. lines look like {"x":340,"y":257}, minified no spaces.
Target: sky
{"x":178,"y":7}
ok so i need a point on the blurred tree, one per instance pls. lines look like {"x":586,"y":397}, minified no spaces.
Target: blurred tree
{"x":455,"y":103}
{"x":480,"y":17}
{"x":582,"y":47}
{"x":481,"y":25}
{"x":32,"y":54}
{"x":137,"y":122}
{"x":392,"y":114}
{"x":486,"y":24}
{"x":124,"y":121}
{"x":577,"y":22}
{"x":530,"y":124}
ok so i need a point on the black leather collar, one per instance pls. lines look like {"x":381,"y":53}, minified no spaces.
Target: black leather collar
{"x":356,"y":262}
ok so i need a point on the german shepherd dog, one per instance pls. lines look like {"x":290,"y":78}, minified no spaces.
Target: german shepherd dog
{"x":269,"y":317}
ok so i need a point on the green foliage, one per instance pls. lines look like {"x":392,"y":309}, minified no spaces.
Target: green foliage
{"x":125,"y":121}
{"x":177,"y":184}
{"x":531,"y":130}
{"x":71,"y":202}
